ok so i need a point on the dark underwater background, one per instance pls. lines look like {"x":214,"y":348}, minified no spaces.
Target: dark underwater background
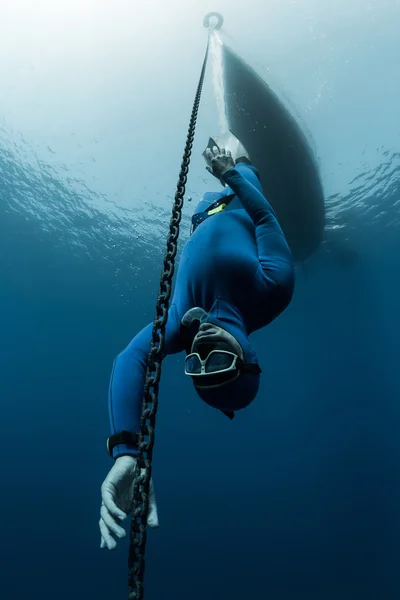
{"x":298,"y":497}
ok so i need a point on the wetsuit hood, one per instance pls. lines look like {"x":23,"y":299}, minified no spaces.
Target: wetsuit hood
{"x":242,"y":391}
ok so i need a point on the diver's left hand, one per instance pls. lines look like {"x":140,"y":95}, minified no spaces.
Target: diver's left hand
{"x":221,"y":161}
{"x":118,"y":501}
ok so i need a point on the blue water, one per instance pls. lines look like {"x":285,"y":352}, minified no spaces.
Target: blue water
{"x":297,"y":497}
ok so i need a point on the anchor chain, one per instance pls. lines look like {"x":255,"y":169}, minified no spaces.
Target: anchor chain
{"x":138,"y":532}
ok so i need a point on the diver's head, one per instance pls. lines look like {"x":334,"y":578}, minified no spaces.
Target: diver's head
{"x":220,"y":373}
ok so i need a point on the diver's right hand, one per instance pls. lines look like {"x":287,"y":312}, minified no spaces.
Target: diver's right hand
{"x":221,"y":161}
{"x":117,"y":501}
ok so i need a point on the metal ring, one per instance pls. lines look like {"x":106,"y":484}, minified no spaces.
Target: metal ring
{"x":206,"y":21}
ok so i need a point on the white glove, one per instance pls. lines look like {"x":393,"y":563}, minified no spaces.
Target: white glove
{"x":117,"y":501}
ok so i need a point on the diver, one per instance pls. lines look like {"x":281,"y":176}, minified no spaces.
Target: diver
{"x":235,"y":276}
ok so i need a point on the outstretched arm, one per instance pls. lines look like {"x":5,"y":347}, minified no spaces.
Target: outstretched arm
{"x":244,"y":182}
{"x":127,"y":380}
{"x":275,"y":278}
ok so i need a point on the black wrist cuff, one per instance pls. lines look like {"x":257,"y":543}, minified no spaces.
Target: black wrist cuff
{"x":124,"y":437}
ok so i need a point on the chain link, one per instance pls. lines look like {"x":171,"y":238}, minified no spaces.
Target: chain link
{"x":138,"y":531}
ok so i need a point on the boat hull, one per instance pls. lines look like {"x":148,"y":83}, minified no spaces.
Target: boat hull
{"x":278,"y":148}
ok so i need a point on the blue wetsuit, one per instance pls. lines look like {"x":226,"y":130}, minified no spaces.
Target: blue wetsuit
{"x":236,"y":265}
